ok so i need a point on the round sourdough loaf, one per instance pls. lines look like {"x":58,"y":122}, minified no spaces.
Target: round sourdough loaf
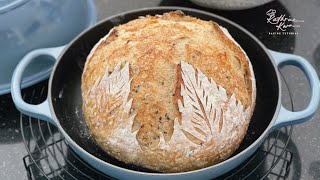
{"x":169,"y":92}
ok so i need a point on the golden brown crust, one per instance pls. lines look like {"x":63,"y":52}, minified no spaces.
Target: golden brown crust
{"x":154,"y":47}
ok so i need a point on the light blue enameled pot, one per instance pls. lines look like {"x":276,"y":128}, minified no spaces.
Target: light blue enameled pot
{"x":66,"y":78}
{"x":28,"y":25}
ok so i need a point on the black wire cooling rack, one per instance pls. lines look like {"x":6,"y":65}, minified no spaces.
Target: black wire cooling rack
{"x":49,"y":156}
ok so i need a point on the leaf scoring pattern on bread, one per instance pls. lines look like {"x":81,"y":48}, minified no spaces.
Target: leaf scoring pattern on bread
{"x":205,"y":106}
{"x":110,"y":93}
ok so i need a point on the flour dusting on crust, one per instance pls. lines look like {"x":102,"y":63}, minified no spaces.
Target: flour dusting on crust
{"x":206,"y":110}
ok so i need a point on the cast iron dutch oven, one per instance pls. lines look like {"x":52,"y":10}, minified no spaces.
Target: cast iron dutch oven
{"x":63,"y":105}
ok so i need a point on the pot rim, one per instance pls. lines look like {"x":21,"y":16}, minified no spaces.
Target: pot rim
{"x":169,"y":8}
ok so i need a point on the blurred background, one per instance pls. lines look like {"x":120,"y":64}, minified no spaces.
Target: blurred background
{"x":32,"y":149}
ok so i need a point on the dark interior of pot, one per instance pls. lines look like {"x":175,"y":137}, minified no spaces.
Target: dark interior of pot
{"x":66,"y":84}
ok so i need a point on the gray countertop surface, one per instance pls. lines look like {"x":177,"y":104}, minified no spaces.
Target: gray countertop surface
{"x":305,"y":140}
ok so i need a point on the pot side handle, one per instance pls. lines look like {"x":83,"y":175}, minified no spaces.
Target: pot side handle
{"x":42,"y":110}
{"x":286,"y":117}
